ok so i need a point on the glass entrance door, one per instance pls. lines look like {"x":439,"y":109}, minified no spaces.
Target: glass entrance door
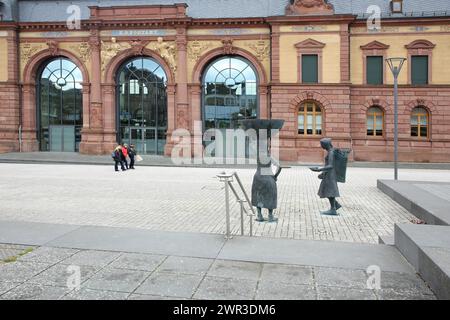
{"x":145,"y":140}
{"x":62,"y":138}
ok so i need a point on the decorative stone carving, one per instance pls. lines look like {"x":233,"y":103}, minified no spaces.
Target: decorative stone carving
{"x":420,"y":102}
{"x":261,"y":49}
{"x":137,"y":46}
{"x":96,"y":118}
{"x":110,"y":50}
{"x":27,"y":50}
{"x":167,"y":51}
{"x":228,"y":46}
{"x":196,"y":49}
{"x":53,"y":46}
{"x":309,"y":7}
{"x":83,"y":50}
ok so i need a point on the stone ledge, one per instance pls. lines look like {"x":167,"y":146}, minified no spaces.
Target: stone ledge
{"x":429,"y":255}
{"x":424,"y":205}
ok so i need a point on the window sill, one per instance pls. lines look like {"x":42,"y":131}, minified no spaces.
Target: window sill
{"x":312,"y":136}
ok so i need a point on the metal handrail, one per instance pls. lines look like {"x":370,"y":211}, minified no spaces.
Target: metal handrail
{"x":228,"y":179}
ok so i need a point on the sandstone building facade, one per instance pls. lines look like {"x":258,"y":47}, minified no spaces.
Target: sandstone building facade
{"x":135,"y":71}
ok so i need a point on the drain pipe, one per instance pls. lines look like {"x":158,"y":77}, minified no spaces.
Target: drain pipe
{"x":19,"y":83}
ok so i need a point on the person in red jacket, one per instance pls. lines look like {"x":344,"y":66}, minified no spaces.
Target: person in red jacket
{"x":125,"y":155}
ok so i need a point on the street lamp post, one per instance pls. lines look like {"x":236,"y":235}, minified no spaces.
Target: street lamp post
{"x":395,"y":64}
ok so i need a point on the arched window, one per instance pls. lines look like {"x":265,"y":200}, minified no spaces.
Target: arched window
{"x":310,"y":119}
{"x":375,"y":120}
{"x":230,"y":93}
{"x":60,"y":106}
{"x":419,"y":122}
{"x":142,"y":105}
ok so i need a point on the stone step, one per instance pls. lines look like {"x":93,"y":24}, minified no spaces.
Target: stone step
{"x":386,"y":240}
{"x":427,"y":248}
{"x":414,"y":197}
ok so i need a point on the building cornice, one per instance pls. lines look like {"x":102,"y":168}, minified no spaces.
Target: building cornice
{"x":217,"y":22}
{"x":405,"y":21}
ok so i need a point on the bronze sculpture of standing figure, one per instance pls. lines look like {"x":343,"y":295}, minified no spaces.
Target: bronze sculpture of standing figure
{"x":264,"y":189}
{"x":329,"y":187}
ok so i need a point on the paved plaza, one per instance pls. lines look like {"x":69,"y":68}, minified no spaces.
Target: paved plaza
{"x":192,"y":200}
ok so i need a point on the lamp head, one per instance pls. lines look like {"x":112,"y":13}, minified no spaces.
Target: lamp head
{"x":395,"y":64}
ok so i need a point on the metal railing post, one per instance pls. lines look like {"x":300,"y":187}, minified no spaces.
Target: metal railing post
{"x":243,"y":190}
{"x":228,"y":179}
{"x":241,"y":203}
{"x":227,"y":209}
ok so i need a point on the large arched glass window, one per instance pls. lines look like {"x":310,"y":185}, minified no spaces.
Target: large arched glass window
{"x":375,"y":120}
{"x":419,"y":122}
{"x":142,"y":105}
{"x":60,"y":106}
{"x":230,"y":93}
{"x":309,"y":119}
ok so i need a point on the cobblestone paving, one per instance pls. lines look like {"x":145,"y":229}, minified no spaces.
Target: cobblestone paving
{"x":44,"y":274}
{"x":192,"y":200}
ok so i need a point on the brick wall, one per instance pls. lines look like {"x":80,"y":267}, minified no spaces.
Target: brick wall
{"x":436,"y":148}
{"x":334,"y":100}
{"x":344,"y":120}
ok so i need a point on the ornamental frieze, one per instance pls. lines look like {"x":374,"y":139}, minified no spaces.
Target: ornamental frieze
{"x":27,"y":50}
{"x":83,"y":51}
{"x":261,"y":49}
{"x":110,"y":50}
{"x":196,"y":49}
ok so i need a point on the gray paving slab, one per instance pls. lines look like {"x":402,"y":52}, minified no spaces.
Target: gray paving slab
{"x":335,"y":293}
{"x":289,"y":274}
{"x":136,"y":296}
{"x":404,"y":282}
{"x":337,"y":277}
{"x":92,"y":258}
{"x":315,"y":253}
{"x":214,"y":288}
{"x":170,"y":285}
{"x":138,"y":261}
{"x":48,"y":255}
{"x":236,"y":269}
{"x":186,"y":265}
{"x":395,"y":294}
{"x":143,"y":241}
{"x":6,"y":286}
{"x":269,"y":290}
{"x":32,"y":233}
{"x":59,"y":274}
{"x":20,"y":271}
{"x":121,"y":280}
{"x":8,"y":251}
{"x":29,"y":291}
{"x":88,"y":294}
